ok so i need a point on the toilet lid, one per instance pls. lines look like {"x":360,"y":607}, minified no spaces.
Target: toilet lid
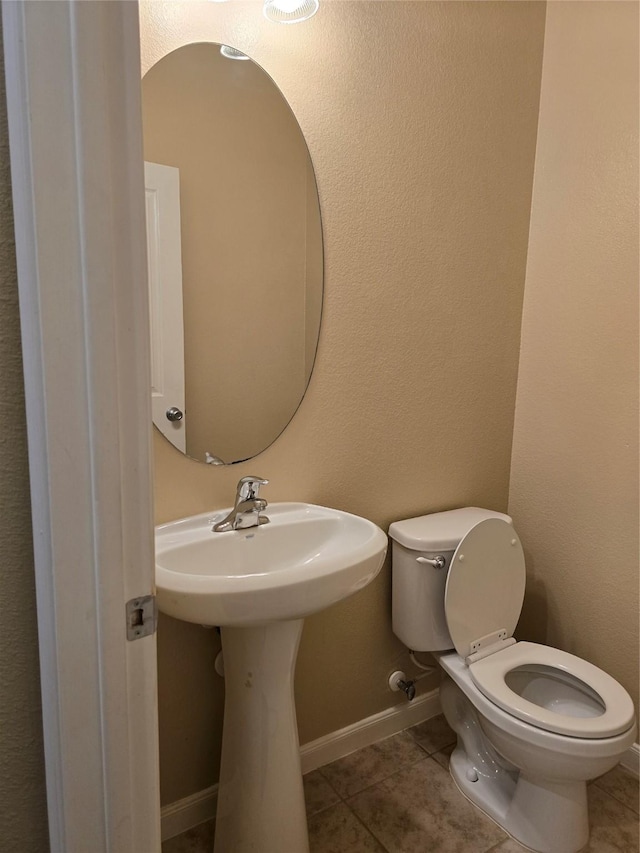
{"x":485,"y":584}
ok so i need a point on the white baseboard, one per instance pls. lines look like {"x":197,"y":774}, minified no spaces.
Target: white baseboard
{"x":631,"y":760}
{"x":184,"y":814}
{"x":336,"y":745}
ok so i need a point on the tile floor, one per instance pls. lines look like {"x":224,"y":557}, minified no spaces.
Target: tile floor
{"x":397,"y":797}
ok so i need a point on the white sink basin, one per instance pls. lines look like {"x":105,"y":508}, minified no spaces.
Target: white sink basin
{"x":258,"y":584}
{"x":307,"y":558}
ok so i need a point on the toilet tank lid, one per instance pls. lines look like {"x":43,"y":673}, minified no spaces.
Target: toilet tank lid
{"x":440,"y":531}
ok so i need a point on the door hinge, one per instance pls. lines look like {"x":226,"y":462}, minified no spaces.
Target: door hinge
{"x":488,"y":645}
{"x":142,"y":617}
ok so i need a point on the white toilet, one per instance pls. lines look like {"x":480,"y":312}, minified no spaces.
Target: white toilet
{"x":534,"y":723}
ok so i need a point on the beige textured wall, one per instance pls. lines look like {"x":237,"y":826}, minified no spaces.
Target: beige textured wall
{"x":23,"y":808}
{"x":574,"y":481}
{"x":421,"y":120}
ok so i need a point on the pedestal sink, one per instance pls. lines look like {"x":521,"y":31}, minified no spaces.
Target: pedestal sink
{"x":258,"y":584}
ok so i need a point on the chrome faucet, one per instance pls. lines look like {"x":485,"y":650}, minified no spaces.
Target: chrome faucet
{"x":247,"y":508}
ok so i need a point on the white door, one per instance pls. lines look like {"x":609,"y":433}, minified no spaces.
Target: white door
{"x":162,"y":193}
{"x":73,"y":100}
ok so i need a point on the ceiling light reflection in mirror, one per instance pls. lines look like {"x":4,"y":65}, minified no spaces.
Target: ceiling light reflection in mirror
{"x":286,"y":11}
{"x":290,"y":11}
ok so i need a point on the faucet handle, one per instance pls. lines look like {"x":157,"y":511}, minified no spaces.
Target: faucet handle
{"x":248,"y":487}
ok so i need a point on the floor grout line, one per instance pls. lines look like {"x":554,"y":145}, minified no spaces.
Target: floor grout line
{"x":328,"y":781}
{"x":378,"y":781}
{"x":617,"y":800}
{"x":491,"y":849}
{"x":435,"y":751}
{"x":368,"y":829}
{"x":386,"y":779}
{"x":408,"y":763}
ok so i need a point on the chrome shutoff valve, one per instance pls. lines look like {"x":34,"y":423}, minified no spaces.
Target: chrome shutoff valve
{"x":398,"y":681}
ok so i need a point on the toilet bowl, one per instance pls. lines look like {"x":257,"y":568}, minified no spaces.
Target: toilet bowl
{"x":534,"y":723}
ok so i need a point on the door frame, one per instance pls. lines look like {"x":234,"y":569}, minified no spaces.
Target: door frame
{"x":73,"y":99}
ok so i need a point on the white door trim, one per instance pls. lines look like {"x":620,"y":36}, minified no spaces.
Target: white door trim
{"x":76,"y":165}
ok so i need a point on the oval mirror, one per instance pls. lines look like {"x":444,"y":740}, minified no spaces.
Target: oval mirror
{"x":235,"y":253}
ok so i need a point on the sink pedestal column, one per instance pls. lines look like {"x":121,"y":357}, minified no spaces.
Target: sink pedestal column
{"x":260,"y":798}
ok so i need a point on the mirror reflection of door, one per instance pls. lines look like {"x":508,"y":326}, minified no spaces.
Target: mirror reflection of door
{"x":251,"y":247}
{"x":162,"y":195}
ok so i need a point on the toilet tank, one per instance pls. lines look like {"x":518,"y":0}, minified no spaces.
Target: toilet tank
{"x":418,"y":615}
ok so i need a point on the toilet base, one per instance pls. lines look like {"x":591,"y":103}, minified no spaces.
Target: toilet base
{"x":543,"y":816}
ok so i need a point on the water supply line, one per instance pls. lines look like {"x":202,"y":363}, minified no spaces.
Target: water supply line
{"x":428,"y":670}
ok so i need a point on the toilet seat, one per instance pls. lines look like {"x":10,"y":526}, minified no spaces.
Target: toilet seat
{"x":489,"y":676}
